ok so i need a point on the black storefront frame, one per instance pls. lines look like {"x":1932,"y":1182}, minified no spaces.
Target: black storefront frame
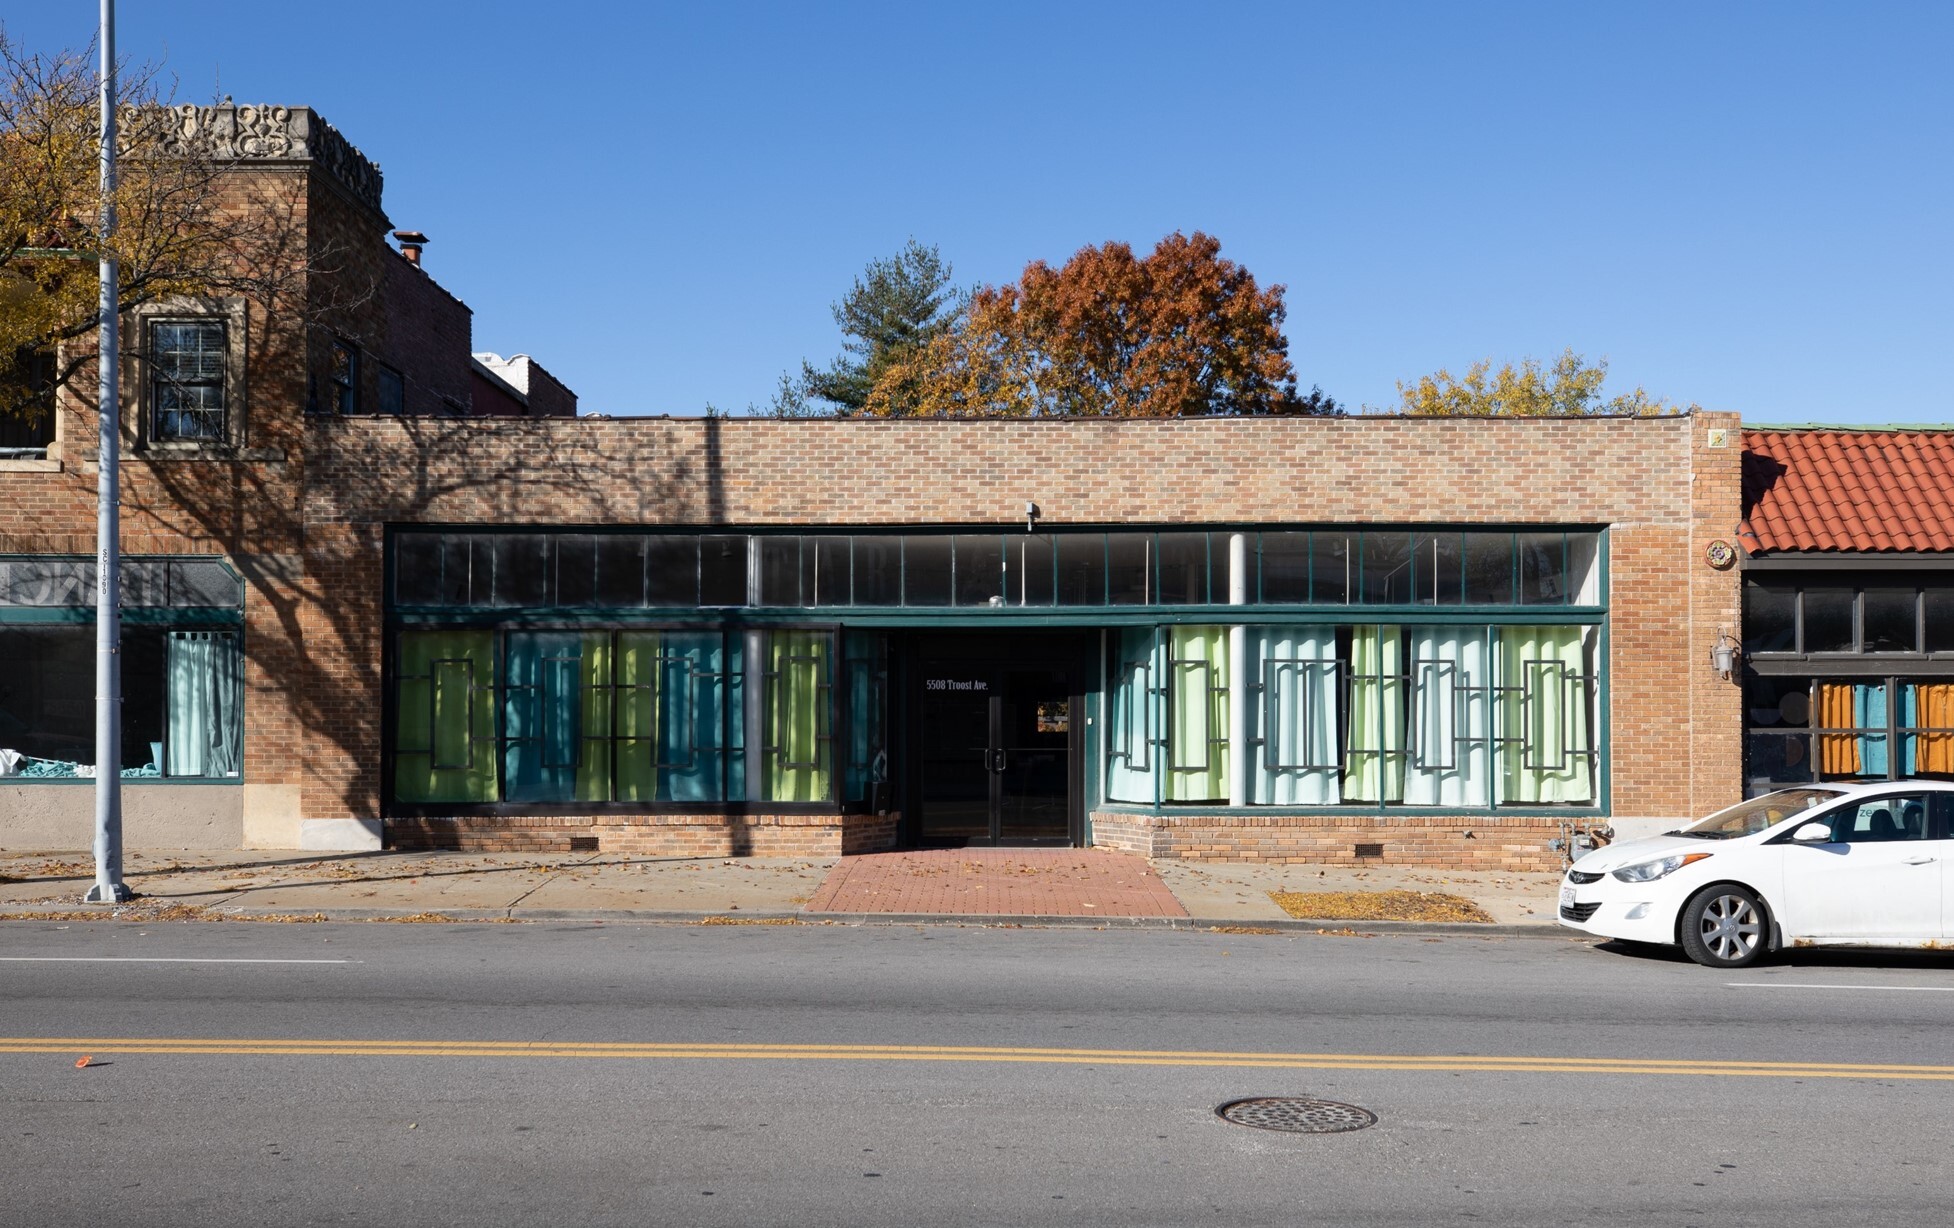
{"x":908,"y":648}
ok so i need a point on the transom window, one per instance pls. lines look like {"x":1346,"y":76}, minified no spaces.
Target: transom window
{"x":1833,"y":615}
{"x":998,"y":570}
{"x":187,"y":363}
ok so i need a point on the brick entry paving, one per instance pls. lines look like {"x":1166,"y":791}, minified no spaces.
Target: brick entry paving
{"x":998,"y":882}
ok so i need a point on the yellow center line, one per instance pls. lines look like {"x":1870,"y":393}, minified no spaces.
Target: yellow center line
{"x":730,"y":1052}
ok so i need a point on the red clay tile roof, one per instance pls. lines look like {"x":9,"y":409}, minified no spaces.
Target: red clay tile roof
{"x":1844,"y":490}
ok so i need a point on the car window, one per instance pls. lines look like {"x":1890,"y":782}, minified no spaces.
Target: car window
{"x":1944,"y":809}
{"x":1876,"y":820}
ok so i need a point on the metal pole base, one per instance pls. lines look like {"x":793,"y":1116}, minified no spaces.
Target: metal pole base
{"x":111,"y":895}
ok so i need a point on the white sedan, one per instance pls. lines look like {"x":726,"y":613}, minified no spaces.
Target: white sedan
{"x":1844,"y":865}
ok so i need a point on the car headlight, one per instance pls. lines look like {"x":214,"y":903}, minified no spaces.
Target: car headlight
{"x":1649,"y":871}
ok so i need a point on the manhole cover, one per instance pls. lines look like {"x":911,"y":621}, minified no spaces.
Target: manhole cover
{"x":1296,"y":1114}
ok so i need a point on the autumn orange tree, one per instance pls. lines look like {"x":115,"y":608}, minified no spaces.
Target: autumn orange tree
{"x":1181,"y":332}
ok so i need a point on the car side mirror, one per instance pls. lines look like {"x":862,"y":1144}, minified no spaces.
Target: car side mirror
{"x":1813,"y":833}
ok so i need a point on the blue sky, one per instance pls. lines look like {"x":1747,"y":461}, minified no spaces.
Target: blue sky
{"x":1745,"y":206}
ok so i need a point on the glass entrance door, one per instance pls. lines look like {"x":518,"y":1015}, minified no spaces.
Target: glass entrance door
{"x":994,"y":751}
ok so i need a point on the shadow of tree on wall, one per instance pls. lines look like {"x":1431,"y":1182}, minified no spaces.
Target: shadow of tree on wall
{"x":310,"y":547}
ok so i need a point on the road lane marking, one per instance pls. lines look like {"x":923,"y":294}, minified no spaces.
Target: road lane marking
{"x":712,"y":1051}
{"x":1802,"y":985}
{"x":153,"y":959}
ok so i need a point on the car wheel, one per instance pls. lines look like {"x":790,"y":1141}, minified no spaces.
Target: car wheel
{"x":1724,"y":927}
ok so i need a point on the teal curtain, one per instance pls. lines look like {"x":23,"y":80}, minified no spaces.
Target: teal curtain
{"x":693,"y":718}
{"x":1869,"y":712}
{"x":1131,"y":753}
{"x":444,"y":745}
{"x":1296,"y":718}
{"x":205,"y":723}
{"x":1197,"y":714}
{"x":1546,"y":690}
{"x":867,"y":673}
{"x":1450,"y":722}
{"x":1373,"y":758}
{"x":545,"y":747}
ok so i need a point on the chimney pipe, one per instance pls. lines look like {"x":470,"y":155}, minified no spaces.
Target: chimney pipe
{"x":411,"y":242}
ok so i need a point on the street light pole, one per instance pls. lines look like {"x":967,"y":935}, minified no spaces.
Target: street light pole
{"x":109,"y":887}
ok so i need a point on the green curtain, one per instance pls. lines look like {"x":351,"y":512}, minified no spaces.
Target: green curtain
{"x":638,"y":681}
{"x":444,"y":746}
{"x":1197,"y":714}
{"x":1546,"y":685}
{"x":1373,"y":747}
{"x":798,"y":764}
{"x":204,"y":722}
{"x":594,"y":757}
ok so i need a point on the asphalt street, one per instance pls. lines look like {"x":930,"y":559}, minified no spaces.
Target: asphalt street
{"x":815,"y":1075}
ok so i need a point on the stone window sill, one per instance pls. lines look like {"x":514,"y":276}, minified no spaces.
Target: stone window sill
{"x":30,"y":466}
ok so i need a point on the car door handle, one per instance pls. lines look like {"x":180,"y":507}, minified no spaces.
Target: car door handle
{"x":1918,"y":861}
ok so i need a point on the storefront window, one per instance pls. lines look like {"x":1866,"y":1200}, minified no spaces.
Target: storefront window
{"x":1376,"y":715}
{"x":182,"y":701}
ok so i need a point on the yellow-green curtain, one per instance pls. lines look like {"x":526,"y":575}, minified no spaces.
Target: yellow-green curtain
{"x":1545,"y":681}
{"x":594,"y":758}
{"x":1197,"y":710}
{"x":1838,"y":753}
{"x":1933,"y":705}
{"x":1373,"y":748}
{"x":444,"y":717}
{"x":638,"y":681}
{"x":798,"y":763}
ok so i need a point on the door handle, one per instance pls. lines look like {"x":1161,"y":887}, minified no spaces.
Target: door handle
{"x":997,"y":761}
{"x":1918,"y":861}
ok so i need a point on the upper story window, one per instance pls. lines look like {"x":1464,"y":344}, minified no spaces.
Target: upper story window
{"x":390,"y":391}
{"x":187,"y":366}
{"x":345,"y":377}
{"x":26,"y":435}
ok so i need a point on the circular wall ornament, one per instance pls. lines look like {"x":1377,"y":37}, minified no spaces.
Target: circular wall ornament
{"x":1720,"y":554}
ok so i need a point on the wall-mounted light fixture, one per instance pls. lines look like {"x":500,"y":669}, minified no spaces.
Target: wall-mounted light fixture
{"x":1030,"y":516}
{"x":1723,"y":655}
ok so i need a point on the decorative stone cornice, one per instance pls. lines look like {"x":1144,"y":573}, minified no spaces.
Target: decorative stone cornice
{"x":228,"y":132}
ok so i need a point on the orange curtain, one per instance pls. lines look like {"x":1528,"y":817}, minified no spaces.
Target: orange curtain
{"x":1838,"y":753}
{"x":1934,"y":709}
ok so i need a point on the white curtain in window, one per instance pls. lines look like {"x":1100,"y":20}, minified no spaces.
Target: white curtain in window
{"x":1448,"y":764}
{"x":1295,"y":715}
{"x":203,"y":703}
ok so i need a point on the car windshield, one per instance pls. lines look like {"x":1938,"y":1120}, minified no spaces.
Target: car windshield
{"x":1749,"y":818}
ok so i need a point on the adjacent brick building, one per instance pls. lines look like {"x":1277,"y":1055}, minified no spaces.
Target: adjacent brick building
{"x":1429,"y":641}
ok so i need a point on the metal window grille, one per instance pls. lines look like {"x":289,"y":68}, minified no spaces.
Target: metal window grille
{"x":1282,"y":678}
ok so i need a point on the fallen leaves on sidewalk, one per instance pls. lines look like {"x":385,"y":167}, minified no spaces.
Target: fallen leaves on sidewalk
{"x":750,"y":921}
{"x":1379,"y":906}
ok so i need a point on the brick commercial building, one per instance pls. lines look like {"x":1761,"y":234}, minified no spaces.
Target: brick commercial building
{"x":372,"y":602}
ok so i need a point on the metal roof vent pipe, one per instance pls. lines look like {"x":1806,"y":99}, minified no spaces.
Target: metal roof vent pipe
{"x":411,"y":243}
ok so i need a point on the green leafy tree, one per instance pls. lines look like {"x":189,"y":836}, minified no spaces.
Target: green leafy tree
{"x":896,"y":308}
{"x":1571,"y":388}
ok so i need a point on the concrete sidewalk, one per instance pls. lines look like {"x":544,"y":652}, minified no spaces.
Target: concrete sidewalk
{"x":1091,"y":886}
